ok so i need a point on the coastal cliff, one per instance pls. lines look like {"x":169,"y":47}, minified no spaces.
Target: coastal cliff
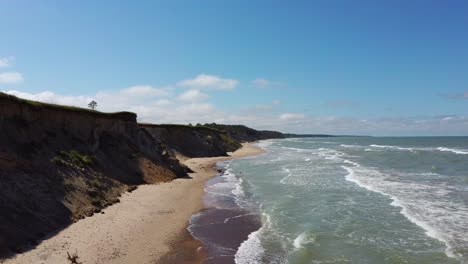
{"x":243,"y":133}
{"x":193,"y":141}
{"x":59,"y":164}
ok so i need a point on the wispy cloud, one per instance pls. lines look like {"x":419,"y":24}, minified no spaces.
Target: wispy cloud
{"x":145,"y":91}
{"x":171,"y":105}
{"x":291,"y":116}
{"x":6,"y":62}
{"x":11,"y":78}
{"x":264,"y":83}
{"x":53,"y":98}
{"x":193,"y":96}
{"x":341,"y":104}
{"x":456,"y":96}
{"x":191,"y":107}
{"x":210,"y":82}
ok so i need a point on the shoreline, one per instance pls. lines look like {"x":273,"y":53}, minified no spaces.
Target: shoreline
{"x":145,"y":227}
{"x":186,"y":247}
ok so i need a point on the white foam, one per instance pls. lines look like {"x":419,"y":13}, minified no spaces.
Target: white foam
{"x":251,"y":250}
{"x":301,"y":240}
{"x":237,"y":216}
{"x":422,"y":204}
{"x":456,"y":151}
{"x":351,"y":146}
{"x":392,"y":147}
{"x":413,"y":149}
{"x":238,"y":191}
{"x":289,"y":174}
{"x":230,"y":187}
{"x":351,"y":162}
{"x":265,"y":143}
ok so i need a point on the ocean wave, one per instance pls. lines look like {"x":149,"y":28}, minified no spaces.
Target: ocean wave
{"x":456,"y":151}
{"x":413,"y":149}
{"x":392,"y":147}
{"x":231,"y":186}
{"x":251,"y":250}
{"x":351,"y":146}
{"x":264,"y":143}
{"x":422,"y":204}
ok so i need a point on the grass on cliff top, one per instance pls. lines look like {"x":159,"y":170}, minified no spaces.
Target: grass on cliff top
{"x":184,"y":126}
{"x":36,"y":104}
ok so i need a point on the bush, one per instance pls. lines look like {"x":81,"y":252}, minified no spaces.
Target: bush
{"x":75,"y":158}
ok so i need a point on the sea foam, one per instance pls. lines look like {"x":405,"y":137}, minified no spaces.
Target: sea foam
{"x":418,"y":205}
{"x":456,"y":151}
{"x":251,"y":250}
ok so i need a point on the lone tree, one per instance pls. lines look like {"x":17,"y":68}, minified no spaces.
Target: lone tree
{"x":92,"y":105}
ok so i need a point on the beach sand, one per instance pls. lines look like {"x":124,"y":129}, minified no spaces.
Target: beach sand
{"x":145,"y":227}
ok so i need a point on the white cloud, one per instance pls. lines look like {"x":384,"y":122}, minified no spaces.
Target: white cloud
{"x":6,"y":62}
{"x":291,"y":116}
{"x":50,"y":97}
{"x":144,"y":91}
{"x":162,"y":103}
{"x":171,"y":110}
{"x":204,"y":81}
{"x":11,"y":78}
{"x":193,"y":96}
{"x":263,"y":83}
{"x":166,"y":105}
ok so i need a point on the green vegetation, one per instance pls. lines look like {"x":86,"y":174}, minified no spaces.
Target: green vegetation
{"x":97,"y":201}
{"x":242,"y":133}
{"x":40,"y":105}
{"x":197,"y":127}
{"x":74,"y":158}
{"x":233,"y":144}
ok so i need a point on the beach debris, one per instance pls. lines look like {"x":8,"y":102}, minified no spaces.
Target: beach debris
{"x":73,"y":258}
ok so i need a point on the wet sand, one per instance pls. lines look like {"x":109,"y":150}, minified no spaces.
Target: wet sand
{"x":223,"y":225}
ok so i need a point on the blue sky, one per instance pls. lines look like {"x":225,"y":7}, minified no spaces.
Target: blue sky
{"x":340,"y":67}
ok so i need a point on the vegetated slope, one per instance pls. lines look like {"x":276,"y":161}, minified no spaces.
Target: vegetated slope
{"x":242,"y":133}
{"x":193,"y":141}
{"x":59,"y":164}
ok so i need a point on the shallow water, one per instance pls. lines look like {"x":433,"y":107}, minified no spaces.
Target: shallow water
{"x":355,"y":200}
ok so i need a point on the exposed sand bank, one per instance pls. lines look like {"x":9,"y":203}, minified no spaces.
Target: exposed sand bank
{"x":141,"y":228}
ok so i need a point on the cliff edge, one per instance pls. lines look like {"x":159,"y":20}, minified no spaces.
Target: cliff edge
{"x":59,"y":164}
{"x":193,"y":141}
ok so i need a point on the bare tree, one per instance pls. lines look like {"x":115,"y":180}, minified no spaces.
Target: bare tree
{"x":92,"y":105}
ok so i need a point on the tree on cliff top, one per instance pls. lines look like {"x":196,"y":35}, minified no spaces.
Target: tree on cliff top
{"x":92,"y":105}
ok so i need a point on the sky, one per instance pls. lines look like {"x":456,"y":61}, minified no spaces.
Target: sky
{"x":383,"y":68}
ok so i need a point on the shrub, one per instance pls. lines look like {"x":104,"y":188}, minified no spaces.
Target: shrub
{"x":75,"y":158}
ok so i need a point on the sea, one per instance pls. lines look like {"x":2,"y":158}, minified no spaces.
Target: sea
{"x":340,"y":200}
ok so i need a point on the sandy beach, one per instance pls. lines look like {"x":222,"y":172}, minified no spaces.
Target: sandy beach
{"x":142,"y":228}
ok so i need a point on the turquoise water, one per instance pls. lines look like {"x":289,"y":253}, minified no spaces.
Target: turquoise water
{"x":356,"y":200}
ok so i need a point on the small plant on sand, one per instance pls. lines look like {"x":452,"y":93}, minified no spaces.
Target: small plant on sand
{"x":73,"y":258}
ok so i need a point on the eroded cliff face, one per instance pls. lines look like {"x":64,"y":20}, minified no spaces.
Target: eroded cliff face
{"x":60,"y":164}
{"x":242,"y":133}
{"x":193,"y":141}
